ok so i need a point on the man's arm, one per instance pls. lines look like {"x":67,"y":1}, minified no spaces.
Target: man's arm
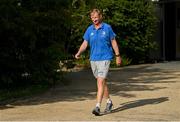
{"x":116,"y":50}
{"x":81,"y":49}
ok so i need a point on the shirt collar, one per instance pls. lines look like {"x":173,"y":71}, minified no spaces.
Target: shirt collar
{"x":101,"y":27}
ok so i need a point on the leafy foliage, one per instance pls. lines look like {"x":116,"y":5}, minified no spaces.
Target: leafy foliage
{"x":36,"y":34}
{"x":133,"y":21}
{"x":33,"y":35}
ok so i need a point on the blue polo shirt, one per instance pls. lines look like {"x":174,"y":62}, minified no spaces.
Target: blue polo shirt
{"x":100,"y":42}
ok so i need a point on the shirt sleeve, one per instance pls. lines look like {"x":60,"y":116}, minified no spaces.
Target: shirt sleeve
{"x":112,"y":35}
{"x":86,"y":35}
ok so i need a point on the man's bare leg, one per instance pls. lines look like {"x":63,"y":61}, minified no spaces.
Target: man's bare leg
{"x":106,"y":96}
{"x":106,"y":91}
{"x":100,"y":92}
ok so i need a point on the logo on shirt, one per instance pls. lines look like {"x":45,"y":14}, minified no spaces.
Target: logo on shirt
{"x":92,"y":34}
{"x":103,"y":33}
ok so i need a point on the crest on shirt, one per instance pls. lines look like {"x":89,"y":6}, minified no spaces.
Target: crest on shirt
{"x":103,"y":33}
{"x":92,"y":34}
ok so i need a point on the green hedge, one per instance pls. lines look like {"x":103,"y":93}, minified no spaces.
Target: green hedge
{"x":33,"y":36}
{"x":36,"y":34}
{"x":133,"y":21}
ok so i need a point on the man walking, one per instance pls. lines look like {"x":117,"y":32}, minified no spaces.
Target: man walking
{"x":103,"y":45}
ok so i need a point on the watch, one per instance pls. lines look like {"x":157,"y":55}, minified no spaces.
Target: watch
{"x":118,"y":55}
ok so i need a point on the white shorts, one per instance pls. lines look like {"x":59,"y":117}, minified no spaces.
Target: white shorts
{"x":100,"y":68}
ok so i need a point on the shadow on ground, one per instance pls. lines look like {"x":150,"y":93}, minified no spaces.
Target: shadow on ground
{"x":137,"y":103}
{"x":122,"y":80}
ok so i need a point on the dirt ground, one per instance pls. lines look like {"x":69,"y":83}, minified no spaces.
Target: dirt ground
{"x":148,"y":92}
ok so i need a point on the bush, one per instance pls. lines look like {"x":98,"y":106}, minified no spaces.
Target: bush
{"x":33,"y":35}
{"x":37,"y":35}
{"x":133,"y":21}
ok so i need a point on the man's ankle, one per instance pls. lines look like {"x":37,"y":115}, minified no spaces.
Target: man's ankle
{"x":98,"y":105}
{"x":109,"y":100}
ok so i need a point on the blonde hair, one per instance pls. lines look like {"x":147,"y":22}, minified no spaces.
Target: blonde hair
{"x":98,"y":12}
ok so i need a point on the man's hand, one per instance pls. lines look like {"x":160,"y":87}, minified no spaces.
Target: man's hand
{"x":81,"y":49}
{"x":118,"y":61}
{"x":77,"y":56}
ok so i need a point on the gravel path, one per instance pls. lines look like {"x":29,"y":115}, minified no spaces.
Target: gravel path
{"x":139,"y":93}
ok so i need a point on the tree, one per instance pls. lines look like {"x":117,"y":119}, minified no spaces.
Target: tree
{"x":33,"y":35}
{"x":133,"y":21}
{"x":36,"y":35}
